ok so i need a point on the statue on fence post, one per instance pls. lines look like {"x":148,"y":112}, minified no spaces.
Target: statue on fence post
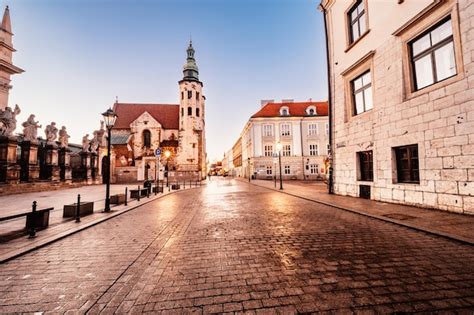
{"x":51,"y":133}
{"x":30,"y":128}
{"x":94,"y":143}
{"x":85,"y":143}
{"x":8,"y":120}
{"x":63,"y":137}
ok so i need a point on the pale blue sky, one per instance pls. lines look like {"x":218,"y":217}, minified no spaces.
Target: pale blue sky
{"x":79,"y":54}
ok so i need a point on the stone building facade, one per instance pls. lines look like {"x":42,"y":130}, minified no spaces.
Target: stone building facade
{"x":402,"y":86}
{"x":140,"y":129}
{"x":302,"y":130}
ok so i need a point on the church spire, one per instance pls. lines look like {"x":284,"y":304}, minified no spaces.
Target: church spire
{"x":6,"y":23}
{"x":190,"y":68}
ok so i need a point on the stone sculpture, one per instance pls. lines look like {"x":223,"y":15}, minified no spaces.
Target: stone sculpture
{"x":94,"y":143}
{"x":101,"y":135}
{"x":30,"y":128}
{"x":85,"y":143}
{"x":51,"y":133}
{"x":8,"y":120}
{"x":63,"y":137}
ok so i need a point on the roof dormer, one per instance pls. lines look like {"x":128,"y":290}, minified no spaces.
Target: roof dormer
{"x":284,"y":111}
{"x":311,"y":110}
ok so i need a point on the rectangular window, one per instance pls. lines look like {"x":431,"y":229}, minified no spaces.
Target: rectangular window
{"x":432,"y":56}
{"x":313,"y":149}
{"x":313,"y":168}
{"x":312,"y":129}
{"x":268,"y":150}
{"x":285,"y":129}
{"x":357,"y":24}
{"x":190,"y":94}
{"x":361,"y":94}
{"x":366,"y":166}
{"x":287,"y":170}
{"x":268,"y":130}
{"x":269,"y":170}
{"x":286,"y":150}
{"x":182,"y":95}
{"x":407,"y":164}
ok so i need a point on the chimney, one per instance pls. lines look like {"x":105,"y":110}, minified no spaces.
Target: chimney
{"x":290,"y":100}
{"x":265,"y":102}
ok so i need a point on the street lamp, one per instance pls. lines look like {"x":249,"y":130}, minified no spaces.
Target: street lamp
{"x":279,"y":146}
{"x":109,"y":118}
{"x":167,"y":156}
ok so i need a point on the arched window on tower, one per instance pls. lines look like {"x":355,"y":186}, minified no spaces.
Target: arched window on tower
{"x":182,"y":112}
{"x":190,"y":111}
{"x":197,"y":112}
{"x":190,"y":94}
{"x":146,"y":138}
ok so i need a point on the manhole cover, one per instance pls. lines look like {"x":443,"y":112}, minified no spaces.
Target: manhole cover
{"x":399,"y":216}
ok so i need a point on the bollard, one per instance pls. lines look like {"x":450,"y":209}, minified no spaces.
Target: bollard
{"x":78,"y":208}
{"x":156,"y":189}
{"x":148,"y":192}
{"x":126,"y":195}
{"x":33,"y":221}
{"x":139,"y":193}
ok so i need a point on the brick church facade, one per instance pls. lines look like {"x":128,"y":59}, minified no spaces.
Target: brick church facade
{"x":140,"y":129}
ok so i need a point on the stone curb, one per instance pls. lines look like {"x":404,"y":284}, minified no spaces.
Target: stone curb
{"x":53,"y":238}
{"x":449,"y":236}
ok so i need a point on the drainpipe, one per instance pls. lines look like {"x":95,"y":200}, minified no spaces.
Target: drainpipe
{"x":330,"y":153}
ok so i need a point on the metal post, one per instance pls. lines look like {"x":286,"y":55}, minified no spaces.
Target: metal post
{"x":281,"y":178}
{"x":107,"y":182}
{"x":167,"y":175}
{"x":139,"y":193}
{"x":126,"y":195}
{"x":33,"y":221}
{"x":148,"y":191}
{"x":157,"y":174}
{"x":248,"y":164}
{"x":275,"y":180}
{"x":78,"y":208}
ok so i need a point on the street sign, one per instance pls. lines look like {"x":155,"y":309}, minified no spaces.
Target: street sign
{"x":158,"y":152}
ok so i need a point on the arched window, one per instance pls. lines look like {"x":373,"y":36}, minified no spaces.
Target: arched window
{"x":146,"y":138}
{"x":197,"y":112}
{"x":190,"y":111}
{"x":182,"y":112}
{"x":311,"y":111}
{"x":284,"y":111}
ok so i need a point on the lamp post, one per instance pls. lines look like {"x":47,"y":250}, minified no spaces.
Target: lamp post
{"x":109,"y":118}
{"x":167,"y":156}
{"x":279,"y":146}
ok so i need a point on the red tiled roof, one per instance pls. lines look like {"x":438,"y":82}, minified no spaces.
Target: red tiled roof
{"x":166,"y":114}
{"x":295,"y":109}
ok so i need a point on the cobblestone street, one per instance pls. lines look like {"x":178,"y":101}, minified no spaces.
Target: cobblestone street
{"x":235,"y":247}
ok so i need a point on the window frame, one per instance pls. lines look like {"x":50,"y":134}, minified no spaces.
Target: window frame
{"x":313,"y":149}
{"x":146,"y":144}
{"x":313,"y":169}
{"x":264,"y":130}
{"x":351,"y":22}
{"x":420,"y":24}
{"x":431,"y":51}
{"x":190,"y":111}
{"x":289,"y":130}
{"x":366,"y":166}
{"x":268,"y":150}
{"x":361,"y":90}
{"x":410,"y":161}
{"x":313,"y":131}
{"x":287,"y":170}
{"x":286,"y":150}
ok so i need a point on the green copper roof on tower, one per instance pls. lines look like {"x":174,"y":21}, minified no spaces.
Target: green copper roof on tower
{"x":190,"y":68}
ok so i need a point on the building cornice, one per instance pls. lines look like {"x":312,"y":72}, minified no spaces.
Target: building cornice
{"x":10,"y":68}
{"x":426,"y":11}
{"x":358,"y":62}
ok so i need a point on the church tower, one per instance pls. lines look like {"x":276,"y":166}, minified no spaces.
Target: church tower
{"x":192,"y":146}
{"x":6,"y":54}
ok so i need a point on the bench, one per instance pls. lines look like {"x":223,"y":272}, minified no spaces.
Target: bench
{"x":134,"y":193}
{"x":85,"y":208}
{"x":117,"y":199}
{"x":39,"y":219}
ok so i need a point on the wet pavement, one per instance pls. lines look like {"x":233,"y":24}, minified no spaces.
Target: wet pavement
{"x":235,"y":247}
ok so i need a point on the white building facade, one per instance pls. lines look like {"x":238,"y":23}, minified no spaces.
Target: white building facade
{"x":300,"y":128}
{"x":402,"y":86}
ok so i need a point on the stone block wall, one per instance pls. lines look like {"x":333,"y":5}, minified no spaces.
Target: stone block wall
{"x":440,"y":121}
